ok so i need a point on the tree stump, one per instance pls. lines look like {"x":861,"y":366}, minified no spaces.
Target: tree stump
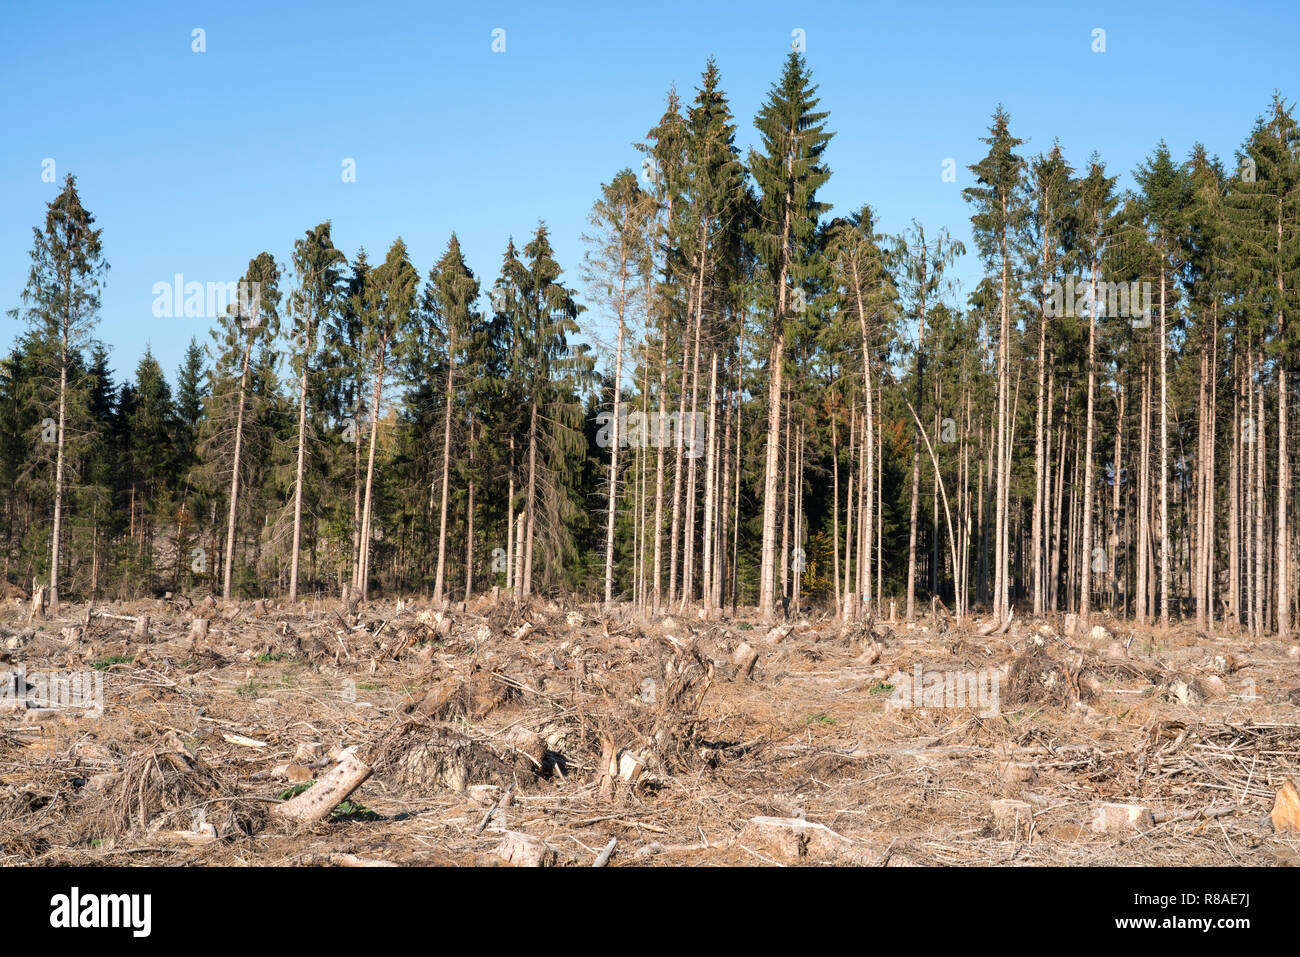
{"x":1012,"y":820}
{"x":744,"y":658}
{"x":37,"y":607}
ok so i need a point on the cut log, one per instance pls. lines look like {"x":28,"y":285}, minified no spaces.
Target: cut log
{"x":316,"y":803}
{"x":1118,"y":818}
{"x":342,"y":860}
{"x":603,"y":857}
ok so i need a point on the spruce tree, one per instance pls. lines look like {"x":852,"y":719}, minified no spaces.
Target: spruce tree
{"x":789,"y":171}
{"x":62,"y":306}
{"x":316,"y":263}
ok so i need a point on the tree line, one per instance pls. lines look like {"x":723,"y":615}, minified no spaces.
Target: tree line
{"x":743,"y":400}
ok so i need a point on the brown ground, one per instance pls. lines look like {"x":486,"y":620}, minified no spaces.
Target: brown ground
{"x":452,"y":710}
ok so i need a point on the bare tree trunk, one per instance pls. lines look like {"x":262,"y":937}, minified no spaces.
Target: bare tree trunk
{"x":1283,"y":463}
{"x":1164,"y":457}
{"x":880,"y":497}
{"x":439,"y":577}
{"x":722,"y":506}
{"x":302,"y":461}
{"x":1040,"y":472}
{"x":1234,"y":493}
{"x":469,"y":520}
{"x":57,"y":531}
{"x":1085,"y":555}
{"x":1000,"y":589}
{"x":1114,"y":540}
{"x":659,"y":471}
{"x":785,"y":510}
{"x":234,"y":477}
{"x":511,"y":558}
{"x":706,"y":570}
{"x":366,"y":508}
{"x":740,"y":444}
{"x":798,"y":566}
{"x":688,"y":518}
{"x":1261,"y":577}
{"x":776,"y":383}
{"x":835,"y":514}
{"x":530,"y":516}
{"x":767,"y":588}
{"x":1210,"y":443}
{"x":850,"y":587}
{"x":613,"y":447}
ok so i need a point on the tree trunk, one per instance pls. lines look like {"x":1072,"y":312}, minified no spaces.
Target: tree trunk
{"x":363,"y":584}
{"x":298,"y":473}
{"x":234,"y":477}
{"x":438,"y":578}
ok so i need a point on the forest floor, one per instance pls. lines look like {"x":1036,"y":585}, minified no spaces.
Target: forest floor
{"x":544,"y":733}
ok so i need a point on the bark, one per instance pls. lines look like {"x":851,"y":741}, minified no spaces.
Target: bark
{"x":229,"y":563}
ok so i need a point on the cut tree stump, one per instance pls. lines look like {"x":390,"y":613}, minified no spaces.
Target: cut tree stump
{"x":1286,"y":808}
{"x":744,"y":658}
{"x":316,"y":803}
{"x":871,"y":654}
{"x":142,"y":627}
{"x":523,"y":850}
{"x":630,"y":767}
{"x":1012,"y":820}
{"x":795,"y":840}
{"x":36,"y":609}
{"x":198,"y":629}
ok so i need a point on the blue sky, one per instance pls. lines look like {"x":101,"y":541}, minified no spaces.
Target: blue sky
{"x":193,"y":163}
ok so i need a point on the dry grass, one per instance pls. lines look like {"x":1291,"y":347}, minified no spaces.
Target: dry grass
{"x":202,"y":733}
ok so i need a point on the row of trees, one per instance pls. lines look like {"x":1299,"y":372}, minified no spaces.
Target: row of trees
{"x":781,"y":404}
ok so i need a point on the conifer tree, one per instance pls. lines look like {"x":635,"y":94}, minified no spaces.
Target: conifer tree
{"x":616,"y":261}
{"x":789,"y":172}
{"x":62,"y":305}
{"x":998,"y":219}
{"x":316,"y":263}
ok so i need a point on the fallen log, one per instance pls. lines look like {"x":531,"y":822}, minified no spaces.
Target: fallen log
{"x":316,"y":803}
{"x":603,"y":857}
{"x":341,"y":860}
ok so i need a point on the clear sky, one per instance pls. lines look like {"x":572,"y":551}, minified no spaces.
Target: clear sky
{"x":194,"y":162}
